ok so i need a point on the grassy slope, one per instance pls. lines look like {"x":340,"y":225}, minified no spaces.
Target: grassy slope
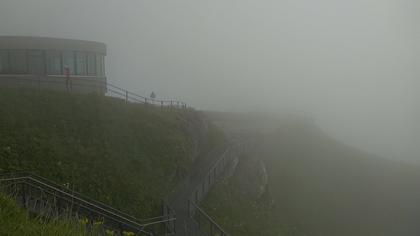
{"x":235,"y":206}
{"x":126,"y":155}
{"x":317,"y":186}
{"x":15,"y":222}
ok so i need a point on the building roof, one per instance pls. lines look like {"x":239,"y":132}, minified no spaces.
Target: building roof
{"x":43,"y":43}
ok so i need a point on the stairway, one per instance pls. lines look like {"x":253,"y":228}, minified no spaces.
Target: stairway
{"x":191,"y":220}
{"x":44,"y":198}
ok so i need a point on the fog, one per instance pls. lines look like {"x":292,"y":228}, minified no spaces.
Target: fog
{"x":351,"y":65}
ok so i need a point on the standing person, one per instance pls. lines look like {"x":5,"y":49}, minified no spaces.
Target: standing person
{"x":67,"y":74}
{"x":153,"y":95}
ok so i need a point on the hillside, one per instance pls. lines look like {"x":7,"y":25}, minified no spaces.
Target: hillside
{"x":299,"y":181}
{"x":127,"y":155}
{"x":15,"y":221}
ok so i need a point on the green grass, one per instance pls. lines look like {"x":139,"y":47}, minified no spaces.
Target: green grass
{"x":236,"y":205}
{"x":14,"y":221}
{"x":126,"y":155}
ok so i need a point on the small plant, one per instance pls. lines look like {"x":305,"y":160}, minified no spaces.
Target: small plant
{"x":125,"y":233}
{"x":83,"y":221}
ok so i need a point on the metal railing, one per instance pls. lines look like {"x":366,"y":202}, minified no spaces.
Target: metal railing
{"x":85,"y":85}
{"x":128,"y":96}
{"x":207,"y":226}
{"x":50,"y":200}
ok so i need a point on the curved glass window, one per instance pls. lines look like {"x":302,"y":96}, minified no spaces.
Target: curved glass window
{"x":81,"y":63}
{"x":69,"y":61}
{"x":100,"y":68}
{"x":18,"y":63}
{"x":54,"y":66}
{"x":91,"y":64}
{"x":36,"y":64}
{"x":4,"y":61}
{"x":51,"y":62}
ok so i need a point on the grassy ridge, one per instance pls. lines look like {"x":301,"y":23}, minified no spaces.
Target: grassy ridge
{"x":126,"y":155}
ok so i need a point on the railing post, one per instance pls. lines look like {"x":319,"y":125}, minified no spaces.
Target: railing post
{"x":199,"y":219}
{"x":23,"y":195}
{"x":166,"y":224}
{"x":173,"y":226}
{"x":58,"y":206}
{"x":214,"y":175}
{"x":209,"y":179}
{"x":189,"y":208}
{"x":196,"y":196}
{"x":126,"y":96}
{"x":120,"y":229}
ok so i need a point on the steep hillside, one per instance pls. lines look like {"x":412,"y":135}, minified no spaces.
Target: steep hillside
{"x":299,"y":181}
{"x":127,"y":155}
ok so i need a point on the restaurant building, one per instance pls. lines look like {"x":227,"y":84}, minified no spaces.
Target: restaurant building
{"x":51,"y":63}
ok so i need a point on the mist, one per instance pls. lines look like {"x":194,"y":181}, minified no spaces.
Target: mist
{"x":350,"y":65}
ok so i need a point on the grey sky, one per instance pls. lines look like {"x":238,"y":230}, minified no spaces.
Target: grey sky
{"x":353,"y":65}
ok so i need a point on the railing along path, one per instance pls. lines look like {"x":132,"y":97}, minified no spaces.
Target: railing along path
{"x":48,"y":199}
{"x":112,"y":218}
{"x":206,"y":225}
{"x":86,"y":85}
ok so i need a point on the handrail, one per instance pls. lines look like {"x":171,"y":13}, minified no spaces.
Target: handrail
{"x":98,"y":82}
{"x":135,"y":225}
{"x":84,"y":202}
{"x":75,"y":198}
{"x":209,"y":218}
{"x":204,"y":187}
{"x":143,"y":97}
{"x":47,"y":182}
